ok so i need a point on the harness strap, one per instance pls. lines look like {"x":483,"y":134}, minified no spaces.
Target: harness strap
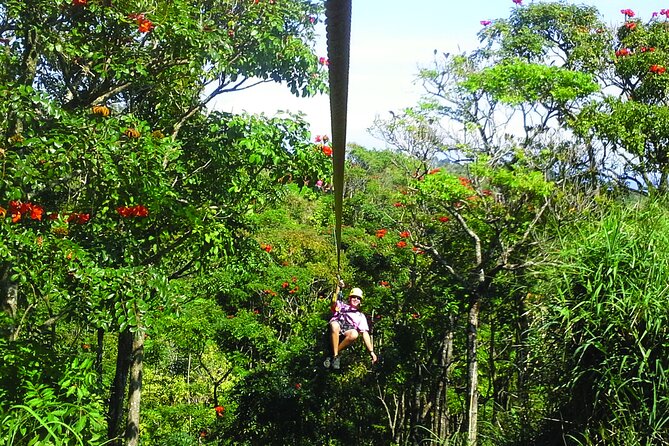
{"x":338,"y":30}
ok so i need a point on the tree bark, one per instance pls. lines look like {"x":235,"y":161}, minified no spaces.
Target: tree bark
{"x":116,"y":398}
{"x":441,"y":424}
{"x":472,"y":371}
{"x":135,"y":392}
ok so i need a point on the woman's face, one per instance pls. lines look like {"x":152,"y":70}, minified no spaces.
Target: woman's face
{"x":354,"y":301}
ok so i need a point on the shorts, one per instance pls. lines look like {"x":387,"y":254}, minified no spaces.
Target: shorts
{"x":344,"y":326}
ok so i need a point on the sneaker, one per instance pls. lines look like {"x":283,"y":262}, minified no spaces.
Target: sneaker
{"x":335,"y":363}
{"x":327,"y":362}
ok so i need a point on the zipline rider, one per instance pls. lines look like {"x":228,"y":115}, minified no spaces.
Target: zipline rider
{"x":346,"y":324}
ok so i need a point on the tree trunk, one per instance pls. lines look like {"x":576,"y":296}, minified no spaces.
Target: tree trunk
{"x":416,"y":406}
{"x":135,"y":392}
{"x":472,"y":371}
{"x":9,"y":298}
{"x":522,"y":364}
{"x":441,"y":426}
{"x":116,"y":398}
{"x":98,"y":354}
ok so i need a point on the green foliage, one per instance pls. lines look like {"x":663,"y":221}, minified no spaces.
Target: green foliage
{"x":517,"y":82}
{"x":605,"y":321}
{"x":573,"y":34}
{"x":53,"y":413}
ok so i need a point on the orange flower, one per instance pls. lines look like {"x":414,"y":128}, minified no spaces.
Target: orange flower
{"x":220,"y":410}
{"x":466,"y":182}
{"x":443,"y":219}
{"x":401,"y":244}
{"x":327,"y":150}
{"x":36,"y":212}
{"x":381,"y":233}
{"x":132,"y":133}
{"x":145,"y":26}
{"x":3,"y":212}
{"x":405,"y":234}
{"x":100,"y":110}
{"x":133,"y":211}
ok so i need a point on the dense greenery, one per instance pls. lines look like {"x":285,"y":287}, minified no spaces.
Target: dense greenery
{"x":166,"y":271}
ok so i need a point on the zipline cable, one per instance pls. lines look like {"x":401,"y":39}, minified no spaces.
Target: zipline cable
{"x":338,"y":31}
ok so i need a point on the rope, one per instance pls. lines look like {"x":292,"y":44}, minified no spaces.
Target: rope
{"x":338,"y":30}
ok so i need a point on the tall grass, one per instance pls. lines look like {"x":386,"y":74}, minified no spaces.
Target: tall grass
{"x":607,"y":312}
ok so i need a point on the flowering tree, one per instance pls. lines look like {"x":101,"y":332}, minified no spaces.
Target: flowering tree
{"x":554,"y":91}
{"x":115,"y":181}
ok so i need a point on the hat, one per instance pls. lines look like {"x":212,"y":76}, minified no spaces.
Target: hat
{"x":355,"y":292}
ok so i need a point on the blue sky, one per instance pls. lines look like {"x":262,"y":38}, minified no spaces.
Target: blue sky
{"x":390,"y":40}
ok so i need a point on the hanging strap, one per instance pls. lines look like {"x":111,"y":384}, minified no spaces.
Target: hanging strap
{"x":338,"y":30}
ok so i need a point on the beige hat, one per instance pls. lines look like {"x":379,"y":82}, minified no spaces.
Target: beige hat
{"x":355,"y":292}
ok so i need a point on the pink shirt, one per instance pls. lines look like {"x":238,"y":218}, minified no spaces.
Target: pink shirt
{"x":348,"y":315}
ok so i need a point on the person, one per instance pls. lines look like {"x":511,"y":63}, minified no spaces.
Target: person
{"x":346,"y":325}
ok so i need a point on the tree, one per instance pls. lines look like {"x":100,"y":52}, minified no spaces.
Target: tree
{"x":107,"y":150}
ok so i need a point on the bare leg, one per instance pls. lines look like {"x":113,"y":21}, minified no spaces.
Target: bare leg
{"x":349,"y":337}
{"x":334,"y":339}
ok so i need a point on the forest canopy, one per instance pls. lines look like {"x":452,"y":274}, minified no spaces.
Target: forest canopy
{"x":166,"y":269}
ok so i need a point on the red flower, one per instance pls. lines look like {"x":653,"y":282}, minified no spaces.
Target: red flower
{"x":298,"y":386}
{"x":3,"y":212}
{"x":381,"y":233}
{"x":83,"y":218}
{"x":623,"y":52}
{"x":327,"y":150}
{"x":145,"y":26}
{"x":384,"y":284}
{"x":36,"y":212}
{"x":267,"y":248}
{"x":443,"y":219}
{"x":79,"y":2}
{"x":133,"y":211}
{"x":417,"y":250}
{"x":401,"y":244}
{"x":466,"y":182}
{"x":323,"y":61}
{"x":405,"y":234}
{"x":433,"y":171}
{"x":398,"y":205}
{"x":630,"y":25}
{"x":485,"y":22}
{"x":657,"y":69}
{"x":626,"y":12}
{"x":220,"y":410}
{"x":285,"y":285}
{"x":141,"y":211}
